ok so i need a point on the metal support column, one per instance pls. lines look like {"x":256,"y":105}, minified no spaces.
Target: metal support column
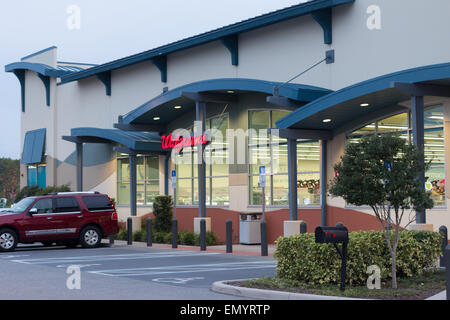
{"x":166,"y":174}
{"x":133,"y":183}
{"x":79,"y":146}
{"x":418,"y":131}
{"x":292,"y":173}
{"x":323,"y":182}
{"x":200,"y":112}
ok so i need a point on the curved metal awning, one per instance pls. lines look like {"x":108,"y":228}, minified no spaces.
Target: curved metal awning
{"x":42,"y":69}
{"x":135,"y":141}
{"x":162,"y":106}
{"x":369,"y":100}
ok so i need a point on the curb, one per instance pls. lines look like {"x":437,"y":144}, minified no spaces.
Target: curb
{"x":223,"y":287}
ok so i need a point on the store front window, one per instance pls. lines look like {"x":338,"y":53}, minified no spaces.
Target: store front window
{"x":434,"y":147}
{"x":147,"y":176}
{"x":216,"y":159}
{"x":36,"y":175}
{"x":271,"y":151}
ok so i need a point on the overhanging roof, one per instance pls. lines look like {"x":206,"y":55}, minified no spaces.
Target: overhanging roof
{"x":344,"y":108}
{"x":162,"y":106}
{"x":320,"y":9}
{"x":42,"y":69}
{"x":137,"y":141}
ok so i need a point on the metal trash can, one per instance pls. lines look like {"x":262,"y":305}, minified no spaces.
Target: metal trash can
{"x":250,"y":228}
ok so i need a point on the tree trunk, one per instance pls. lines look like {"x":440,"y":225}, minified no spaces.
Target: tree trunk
{"x":394,"y":270}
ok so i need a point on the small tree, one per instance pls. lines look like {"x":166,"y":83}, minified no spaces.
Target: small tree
{"x":162,"y":210}
{"x":382,"y":172}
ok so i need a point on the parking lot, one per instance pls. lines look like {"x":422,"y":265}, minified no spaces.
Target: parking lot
{"x":124,"y":272}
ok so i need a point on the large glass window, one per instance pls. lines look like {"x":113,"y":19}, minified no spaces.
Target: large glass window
{"x":271,"y":151}
{"x":216,"y":159}
{"x":147,"y":175}
{"x":434,"y":147}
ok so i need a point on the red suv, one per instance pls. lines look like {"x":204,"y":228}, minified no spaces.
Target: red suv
{"x":68,"y":218}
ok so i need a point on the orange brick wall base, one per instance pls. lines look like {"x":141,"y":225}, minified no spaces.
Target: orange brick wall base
{"x":353,"y":220}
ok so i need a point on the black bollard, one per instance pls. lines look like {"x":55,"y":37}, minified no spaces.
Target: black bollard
{"x":202,"y":235}
{"x":447,"y":269}
{"x":443,"y":230}
{"x":264,"y":250}
{"x":130,"y":231}
{"x":303,"y":227}
{"x":229,"y":231}
{"x":174,"y":233}
{"x":149,"y":232}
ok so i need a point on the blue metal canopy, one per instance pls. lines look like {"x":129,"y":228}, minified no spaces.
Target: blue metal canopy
{"x":42,"y":69}
{"x":159,"y":106}
{"x":137,"y":141}
{"x":33,"y":146}
{"x":361,"y":103}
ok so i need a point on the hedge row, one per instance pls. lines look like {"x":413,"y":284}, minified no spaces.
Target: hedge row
{"x":300,"y":258}
{"x":184,"y":237}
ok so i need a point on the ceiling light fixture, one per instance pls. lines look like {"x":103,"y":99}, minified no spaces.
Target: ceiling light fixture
{"x":156,"y":118}
{"x":177,"y":107}
{"x":364,"y":104}
{"x":326,"y":120}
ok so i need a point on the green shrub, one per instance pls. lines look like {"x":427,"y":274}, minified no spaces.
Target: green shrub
{"x":186,"y":238}
{"x":162,"y":210}
{"x":139,"y":235}
{"x":211,"y":239}
{"x":122,"y":235}
{"x":29,"y":191}
{"x":300,"y":258}
{"x":159,"y":237}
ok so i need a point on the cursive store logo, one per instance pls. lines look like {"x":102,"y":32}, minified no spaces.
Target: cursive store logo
{"x":181,"y":142}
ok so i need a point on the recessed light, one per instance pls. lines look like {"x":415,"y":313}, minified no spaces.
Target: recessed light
{"x":177,"y":107}
{"x":326,"y":120}
{"x":156,"y":118}
{"x":230,"y":91}
{"x":364,"y":104}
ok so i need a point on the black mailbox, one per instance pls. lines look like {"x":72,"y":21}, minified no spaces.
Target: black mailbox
{"x":331,"y":234}
{"x":335,"y":235}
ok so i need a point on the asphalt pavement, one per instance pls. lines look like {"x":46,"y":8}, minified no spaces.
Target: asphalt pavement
{"x":124,"y":272}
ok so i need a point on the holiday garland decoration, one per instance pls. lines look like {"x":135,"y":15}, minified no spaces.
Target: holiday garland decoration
{"x":313,"y":185}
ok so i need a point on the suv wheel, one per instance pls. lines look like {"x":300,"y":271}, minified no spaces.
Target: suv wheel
{"x":8,"y":240}
{"x":90,"y":237}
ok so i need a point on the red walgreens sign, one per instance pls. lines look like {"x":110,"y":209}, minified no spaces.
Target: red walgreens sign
{"x":182,"y":142}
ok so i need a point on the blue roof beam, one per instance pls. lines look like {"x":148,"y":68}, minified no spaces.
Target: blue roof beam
{"x":419,"y":89}
{"x":20,"y":74}
{"x":323,"y":17}
{"x":161,"y":63}
{"x":105,"y":78}
{"x":46,"y":81}
{"x":231,"y":42}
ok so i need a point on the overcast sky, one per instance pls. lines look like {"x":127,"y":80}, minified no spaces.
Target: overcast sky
{"x":109,"y":29}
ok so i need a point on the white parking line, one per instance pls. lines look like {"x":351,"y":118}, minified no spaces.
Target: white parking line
{"x":154,"y":255}
{"x":131,"y":272}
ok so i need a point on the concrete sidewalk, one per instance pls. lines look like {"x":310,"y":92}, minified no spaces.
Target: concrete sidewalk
{"x":251,"y":250}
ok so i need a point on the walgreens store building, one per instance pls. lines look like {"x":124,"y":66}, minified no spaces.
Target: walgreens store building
{"x":365,"y":68}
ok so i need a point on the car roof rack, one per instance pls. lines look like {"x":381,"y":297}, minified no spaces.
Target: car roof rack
{"x":79,"y":192}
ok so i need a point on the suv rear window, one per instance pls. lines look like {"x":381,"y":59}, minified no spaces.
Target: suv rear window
{"x":97,"y":203}
{"x":67,"y":204}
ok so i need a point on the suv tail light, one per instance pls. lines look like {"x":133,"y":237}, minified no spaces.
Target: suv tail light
{"x":114,"y":214}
